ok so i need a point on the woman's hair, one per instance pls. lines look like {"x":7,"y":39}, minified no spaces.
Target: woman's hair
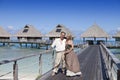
{"x":69,"y":37}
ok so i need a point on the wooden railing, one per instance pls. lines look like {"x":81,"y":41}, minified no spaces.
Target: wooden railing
{"x":30,"y":41}
{"x":113,"y":44}
{"x":111,"y":63}
{"x":15,"y":65}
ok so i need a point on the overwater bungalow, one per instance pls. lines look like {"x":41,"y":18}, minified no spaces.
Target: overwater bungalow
{"x":94,"y":34}
{"x":28,"y":33}
{"x":4,"y":35}
{"x":117,"y":36}
{"x":55,"y":33}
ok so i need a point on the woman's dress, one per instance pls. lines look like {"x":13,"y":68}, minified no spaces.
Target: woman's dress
{"x":72,"y":63}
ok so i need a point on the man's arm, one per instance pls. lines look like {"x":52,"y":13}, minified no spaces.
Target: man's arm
{"x":53,"y":44}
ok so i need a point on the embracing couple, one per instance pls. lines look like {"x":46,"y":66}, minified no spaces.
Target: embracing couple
{"x":66,"y":56}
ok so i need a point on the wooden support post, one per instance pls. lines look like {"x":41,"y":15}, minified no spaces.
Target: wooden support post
{"x":20,"y":44}
{"x":46,"y":47}
{"x":8,"y":44}
{"x":26,"y":45}
{"x":31,"y":45}
{"x":106,"y":40}
{"x":36,"y":45}
{"x":40,"y":64}
{"x":94,"y":40}
{"x":3,"y":44}
{"x":15,"y":71}
{"x":118,"y":74}
{"x":39,"y":46}
{"x":53,"y":56}
{"x":83,"y":39}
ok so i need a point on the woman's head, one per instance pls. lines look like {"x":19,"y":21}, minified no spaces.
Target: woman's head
{"x":69,"y":37}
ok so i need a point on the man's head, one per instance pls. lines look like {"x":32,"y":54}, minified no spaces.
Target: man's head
{"x":62,"y":35}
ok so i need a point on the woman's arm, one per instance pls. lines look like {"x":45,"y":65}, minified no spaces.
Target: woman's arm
{"x":71,"y":43}
{"x":72,"y":47}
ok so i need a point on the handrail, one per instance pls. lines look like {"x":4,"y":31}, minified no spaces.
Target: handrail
{"x":112,"y":64}
{"x":16,"y":59}
{"x":15,"y":65}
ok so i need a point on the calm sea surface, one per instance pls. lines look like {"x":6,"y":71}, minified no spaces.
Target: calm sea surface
{"x":28,"y":68}
{"x":116,"y":52}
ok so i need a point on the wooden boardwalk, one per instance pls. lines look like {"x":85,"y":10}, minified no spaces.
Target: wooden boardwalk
{"x":90,"y":64}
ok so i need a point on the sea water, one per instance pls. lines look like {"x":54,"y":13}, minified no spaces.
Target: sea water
{"x":28,"y":69}
{"x":116,"y":52}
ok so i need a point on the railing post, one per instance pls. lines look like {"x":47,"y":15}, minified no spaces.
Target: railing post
{"x":20,"y":44}
{"x":40,"y":64}
{"x":118,"y":74}
{"x":47,"y":47}
{"x":53,"y":53}
{"x":15,"y":71}
{"x":26,"y":45}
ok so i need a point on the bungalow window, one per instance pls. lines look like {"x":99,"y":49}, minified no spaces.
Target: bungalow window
{"x":25,"y":30}
{"x":59,"y":26}
{"x":58,"y":30}
{"x":26,"y":26}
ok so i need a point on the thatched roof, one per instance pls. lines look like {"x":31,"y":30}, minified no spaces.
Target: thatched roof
{"x":4,"y":33}
{"x":57,"y":30}
{"x":28,"y":31}
{"x":117,"y":35}
{"x":95,"y":32}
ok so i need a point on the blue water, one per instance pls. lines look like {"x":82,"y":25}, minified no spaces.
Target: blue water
{"x":27,"y":68}
{"x":116,"y":52}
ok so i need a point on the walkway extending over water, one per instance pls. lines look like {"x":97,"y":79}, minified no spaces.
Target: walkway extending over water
{"x":90,"y":63}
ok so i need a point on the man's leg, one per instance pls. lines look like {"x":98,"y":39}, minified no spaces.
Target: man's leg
{"x":57,"y":63}
{"x":63,"y":62}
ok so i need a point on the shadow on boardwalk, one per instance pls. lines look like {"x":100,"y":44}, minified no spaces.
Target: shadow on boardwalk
{"x":61,"y":76}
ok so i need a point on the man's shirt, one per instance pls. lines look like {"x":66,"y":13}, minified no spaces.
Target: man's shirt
{"x":59,"y":44}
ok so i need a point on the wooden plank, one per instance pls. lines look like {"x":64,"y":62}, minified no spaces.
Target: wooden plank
{"x":59,"y":76}
{"x":89,"y":61}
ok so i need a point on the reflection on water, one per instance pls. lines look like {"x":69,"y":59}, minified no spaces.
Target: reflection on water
{"x":28,"y":68}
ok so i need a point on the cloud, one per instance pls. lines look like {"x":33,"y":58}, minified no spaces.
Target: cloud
{"x":118,"y":29}
{"x":11,"y":28}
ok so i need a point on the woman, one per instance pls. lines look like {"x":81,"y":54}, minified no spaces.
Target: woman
{"x":71,"y":59}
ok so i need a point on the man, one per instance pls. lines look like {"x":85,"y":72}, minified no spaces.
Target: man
{"x":59,"y":45}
